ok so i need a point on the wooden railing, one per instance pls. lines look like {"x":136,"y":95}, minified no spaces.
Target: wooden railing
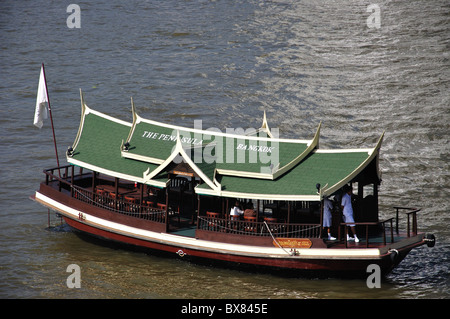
{"x":366,"y":226}
{"x":411,"y":214}
{"x":253,"y":228}
{"x":411,"y":226}
{"x":118,"y":205}
{"x":66,"y":178}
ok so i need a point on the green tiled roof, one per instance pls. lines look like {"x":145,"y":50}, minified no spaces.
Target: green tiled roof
{"x":332,"y":169}
{"x":154,"y":142}
{"x":98,"y":148}
{"x":293,"y":174}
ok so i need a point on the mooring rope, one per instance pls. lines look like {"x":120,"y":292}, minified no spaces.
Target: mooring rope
{"x":276,"y":241}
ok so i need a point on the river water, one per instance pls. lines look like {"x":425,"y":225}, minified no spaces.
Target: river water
{"x":225,"y":62}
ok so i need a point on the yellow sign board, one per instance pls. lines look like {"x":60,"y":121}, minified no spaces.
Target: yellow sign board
{"x":293,"y":242}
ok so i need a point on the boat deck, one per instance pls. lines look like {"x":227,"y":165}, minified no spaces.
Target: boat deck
{"x":375,"y":241}
{"x":185,"y":228}
{"x":127,"y":199}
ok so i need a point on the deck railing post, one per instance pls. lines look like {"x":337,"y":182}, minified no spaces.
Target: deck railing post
{"x":396,"y":220}
{"x":408,"y":227}
{"x":392,"y":232}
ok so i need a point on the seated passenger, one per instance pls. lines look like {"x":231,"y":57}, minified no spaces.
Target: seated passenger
{"x":236,"y":211}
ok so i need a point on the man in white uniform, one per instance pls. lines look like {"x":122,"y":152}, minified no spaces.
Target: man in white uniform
{"x":347,"y":210}
{"x":327,"y":208}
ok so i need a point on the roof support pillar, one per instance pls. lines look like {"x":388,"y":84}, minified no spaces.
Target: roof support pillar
{"x":116,"y":185}
{"x":198,"y":210}
{"x":193,"y":199}
{"x":141,"y":198}
{"x":72,"y":180}
{"x":375,"y":194}
{"x":167,"y":209}
{"x":289,"y":212}
{"x":360,"y":197}
{"x":257,"y":209}
{"x":94,"y":174}
{"x":321,"y":215}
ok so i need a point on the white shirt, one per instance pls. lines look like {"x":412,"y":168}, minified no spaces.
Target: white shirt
{"x":235,"y":211}
{"x":347,"y":204}
{"x":328,"y":206}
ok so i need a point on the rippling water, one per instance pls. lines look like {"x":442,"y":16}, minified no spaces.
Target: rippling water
{"x":225,"y":62}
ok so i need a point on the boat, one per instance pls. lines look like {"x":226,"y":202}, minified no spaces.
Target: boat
{"x":172,"y":189}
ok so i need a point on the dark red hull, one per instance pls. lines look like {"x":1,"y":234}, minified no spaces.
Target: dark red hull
{"x":344,"y":267}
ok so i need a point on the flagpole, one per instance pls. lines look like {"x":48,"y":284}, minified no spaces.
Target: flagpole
{"x":51,"y":120}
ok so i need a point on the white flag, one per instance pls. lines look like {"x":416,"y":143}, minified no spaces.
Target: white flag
{"x":41,"y":108}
